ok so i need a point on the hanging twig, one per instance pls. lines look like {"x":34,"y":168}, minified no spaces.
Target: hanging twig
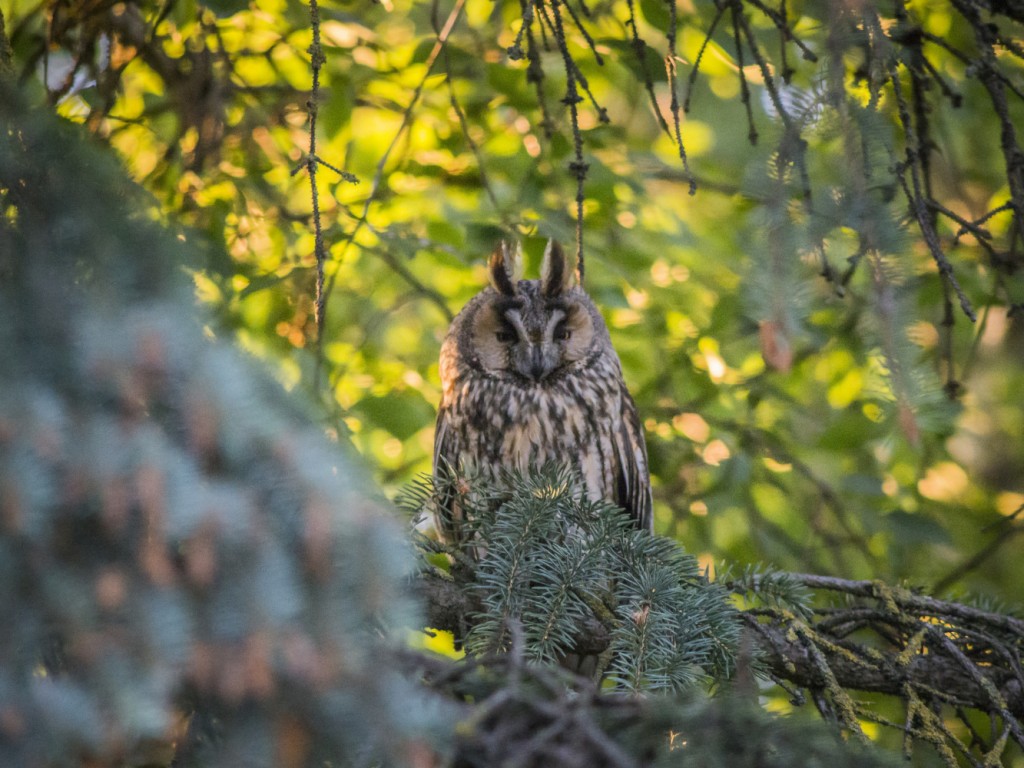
{"x":640,"y":51}
{"x":674,"y":107}
{"x":312,"y":161}
{"x":996,"y":84}
{"x":737,"y":13}
{"x":918,"y":205}
{"x":578,"y":166}
{"x":692,"y":78}
{"x":602,"y":113}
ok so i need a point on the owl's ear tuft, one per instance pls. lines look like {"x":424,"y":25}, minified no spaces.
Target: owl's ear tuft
{"x":506,"y":267}
{"x":557,"y":271}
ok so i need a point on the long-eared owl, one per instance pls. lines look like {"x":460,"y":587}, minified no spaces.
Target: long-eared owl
{"x":529,"y":377}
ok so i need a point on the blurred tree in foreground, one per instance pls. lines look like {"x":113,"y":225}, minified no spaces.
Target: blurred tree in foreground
{"x":181,"y":547}
{"x":824,"y":339}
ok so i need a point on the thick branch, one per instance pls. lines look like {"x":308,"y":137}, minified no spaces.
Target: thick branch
{"x":901,"y":653}
{"x":913,"y":601}
{"x":787,"y":658}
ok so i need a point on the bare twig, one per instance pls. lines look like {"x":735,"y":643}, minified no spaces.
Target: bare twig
{"x":578,"y":167}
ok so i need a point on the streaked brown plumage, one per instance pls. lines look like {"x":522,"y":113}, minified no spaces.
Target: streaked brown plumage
{"x":529,"y":376}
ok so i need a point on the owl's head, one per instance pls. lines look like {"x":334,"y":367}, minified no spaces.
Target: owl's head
{"x":531,"y":330}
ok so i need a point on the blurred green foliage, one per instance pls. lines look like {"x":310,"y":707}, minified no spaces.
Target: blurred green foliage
{"x":787,"y":421}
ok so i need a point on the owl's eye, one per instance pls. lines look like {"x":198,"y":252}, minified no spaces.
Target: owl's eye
{"x":562,"y":332}
{"x":505,"y":336}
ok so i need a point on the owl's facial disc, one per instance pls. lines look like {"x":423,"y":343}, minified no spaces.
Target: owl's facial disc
{"x":530,"y":340}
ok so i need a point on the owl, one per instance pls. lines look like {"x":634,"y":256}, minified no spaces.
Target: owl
{"x":529,"y":377}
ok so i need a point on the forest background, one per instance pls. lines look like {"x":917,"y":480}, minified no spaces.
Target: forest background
{"x":803,"y":223}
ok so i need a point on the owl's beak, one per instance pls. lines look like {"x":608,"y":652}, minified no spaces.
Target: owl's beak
{"x":538,"y":368}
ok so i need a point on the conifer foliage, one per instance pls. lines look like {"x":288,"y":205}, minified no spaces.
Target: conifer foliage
{"x":181,"y":549}
{"x":553,"y":563}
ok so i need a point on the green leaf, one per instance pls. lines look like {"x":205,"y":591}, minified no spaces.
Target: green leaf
{"x":652,"y":61}
{"x":655,"y":13}
{"x":910,"y":528}
{"x":402,"y":413}
{"x":225,"y":8}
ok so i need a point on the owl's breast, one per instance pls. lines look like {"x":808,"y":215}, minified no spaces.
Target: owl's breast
{"x":568,"y":421}
{"x":541,"y":427}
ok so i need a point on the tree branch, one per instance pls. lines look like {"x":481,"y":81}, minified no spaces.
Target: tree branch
{"x":909,"y":646}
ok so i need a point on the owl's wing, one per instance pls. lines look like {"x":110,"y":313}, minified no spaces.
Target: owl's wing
{"x":446,"y":463}
{"x":444,"y":446}
{"x":633,"y":479}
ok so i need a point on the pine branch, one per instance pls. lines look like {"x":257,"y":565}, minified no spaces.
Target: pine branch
{"x":876,"y":638}
{"x":578,"y":579}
